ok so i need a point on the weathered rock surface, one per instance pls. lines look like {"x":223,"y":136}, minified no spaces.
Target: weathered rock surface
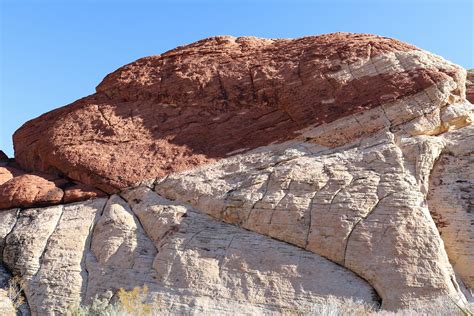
{"x":193,"y":262}
{"x":7,"y":306}
{"x":362,"y":206}
{"x":253,"y":175}
{"x":470,"y":85}
{"x":21,"y":189}
{"x":221,"y":95}
{"x":451,"y":200}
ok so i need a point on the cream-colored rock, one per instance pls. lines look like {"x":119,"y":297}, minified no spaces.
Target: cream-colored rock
{"x":7,"y":222}
{"x":193,"y":263}
{"x":121,"y":254}
{"x":451,"y":200}
{"x":46,"y":248}
{"x":362,"y":205}
{"x":238,"y":267}
{"x":62,"y":278}
{"x":7,"y":306}
{"x":157,"y":215}
{"x":25,"y":245}
{"x":205,"y":265}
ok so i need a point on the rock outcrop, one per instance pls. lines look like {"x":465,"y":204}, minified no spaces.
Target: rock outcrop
{"x":203,"y":102}
{"x":252,"y":175}
{"x":21,"y":189}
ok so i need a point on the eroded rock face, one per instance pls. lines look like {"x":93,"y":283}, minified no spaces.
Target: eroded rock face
{"x":219,"y":96}
{"x":451,"y":200}
{"x":333,"y":165}
{"x":192,"y":262}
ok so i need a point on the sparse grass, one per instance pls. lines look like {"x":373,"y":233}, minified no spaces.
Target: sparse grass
{"x":139,"y":302}
{"x":135,"y":303}
{"x":15,"y":291}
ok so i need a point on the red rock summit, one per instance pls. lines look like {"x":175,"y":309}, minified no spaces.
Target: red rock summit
{"x":207,"y":100}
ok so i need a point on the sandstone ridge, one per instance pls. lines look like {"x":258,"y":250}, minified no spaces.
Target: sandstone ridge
{"x":205,"y":101}
{"x":254,"y":175}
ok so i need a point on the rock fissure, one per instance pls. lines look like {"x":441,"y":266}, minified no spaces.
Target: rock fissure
{"x":88,"y":251}
{"x":41,"y":257}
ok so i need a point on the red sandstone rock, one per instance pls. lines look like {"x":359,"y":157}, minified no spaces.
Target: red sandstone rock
{"x":204,"y":101}
{"x":29,"y":190}
{"x":20,"y":189}
{"x":80,"y":192}
{"x":470,"y":85}
{"x":7,"y":173}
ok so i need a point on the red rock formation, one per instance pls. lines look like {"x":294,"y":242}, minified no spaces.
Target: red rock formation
{"x":28,"y":190}
{"x":20,"y":189}
{"x":8,"y":173}
{"x":204,"y":101}
{"x":470,"y":85}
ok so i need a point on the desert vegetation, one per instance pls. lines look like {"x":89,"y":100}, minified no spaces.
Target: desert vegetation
{"x":138,"y":302}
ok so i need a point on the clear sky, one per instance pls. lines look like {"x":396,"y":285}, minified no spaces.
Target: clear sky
{"x":54,"y":52}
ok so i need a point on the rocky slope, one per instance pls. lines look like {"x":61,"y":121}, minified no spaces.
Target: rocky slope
{"x":251,"y":175}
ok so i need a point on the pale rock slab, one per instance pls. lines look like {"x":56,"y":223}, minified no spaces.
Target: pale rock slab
{"x":121,"y":254}
{"x":24,"y":246}
{"x":192,"y":263}
{"x":205,"y":266}
{"x":451,"y":200}
{"x":46,"y":248}
{"x":7,"y":306}
{"x":362,"y":205}
{"x":158,"y":216}
{"x":7,"y":222}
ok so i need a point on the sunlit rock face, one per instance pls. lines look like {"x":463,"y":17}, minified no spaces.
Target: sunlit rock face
{"x":250,"y":175}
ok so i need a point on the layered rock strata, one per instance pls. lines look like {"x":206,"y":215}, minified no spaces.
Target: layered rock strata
{"x":256,"y":175}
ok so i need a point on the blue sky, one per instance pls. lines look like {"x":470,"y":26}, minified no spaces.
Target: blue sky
{"x":54,"y":52}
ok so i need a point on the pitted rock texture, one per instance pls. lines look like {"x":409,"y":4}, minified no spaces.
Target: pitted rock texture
{"x":333,"y":165}
{"x":210,"y":99}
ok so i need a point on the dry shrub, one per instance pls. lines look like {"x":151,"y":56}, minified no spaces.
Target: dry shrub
{"x":15,"y":291}
{"x":136,"y":302}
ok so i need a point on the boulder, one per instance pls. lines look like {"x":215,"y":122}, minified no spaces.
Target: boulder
{"x":21,"y":189}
